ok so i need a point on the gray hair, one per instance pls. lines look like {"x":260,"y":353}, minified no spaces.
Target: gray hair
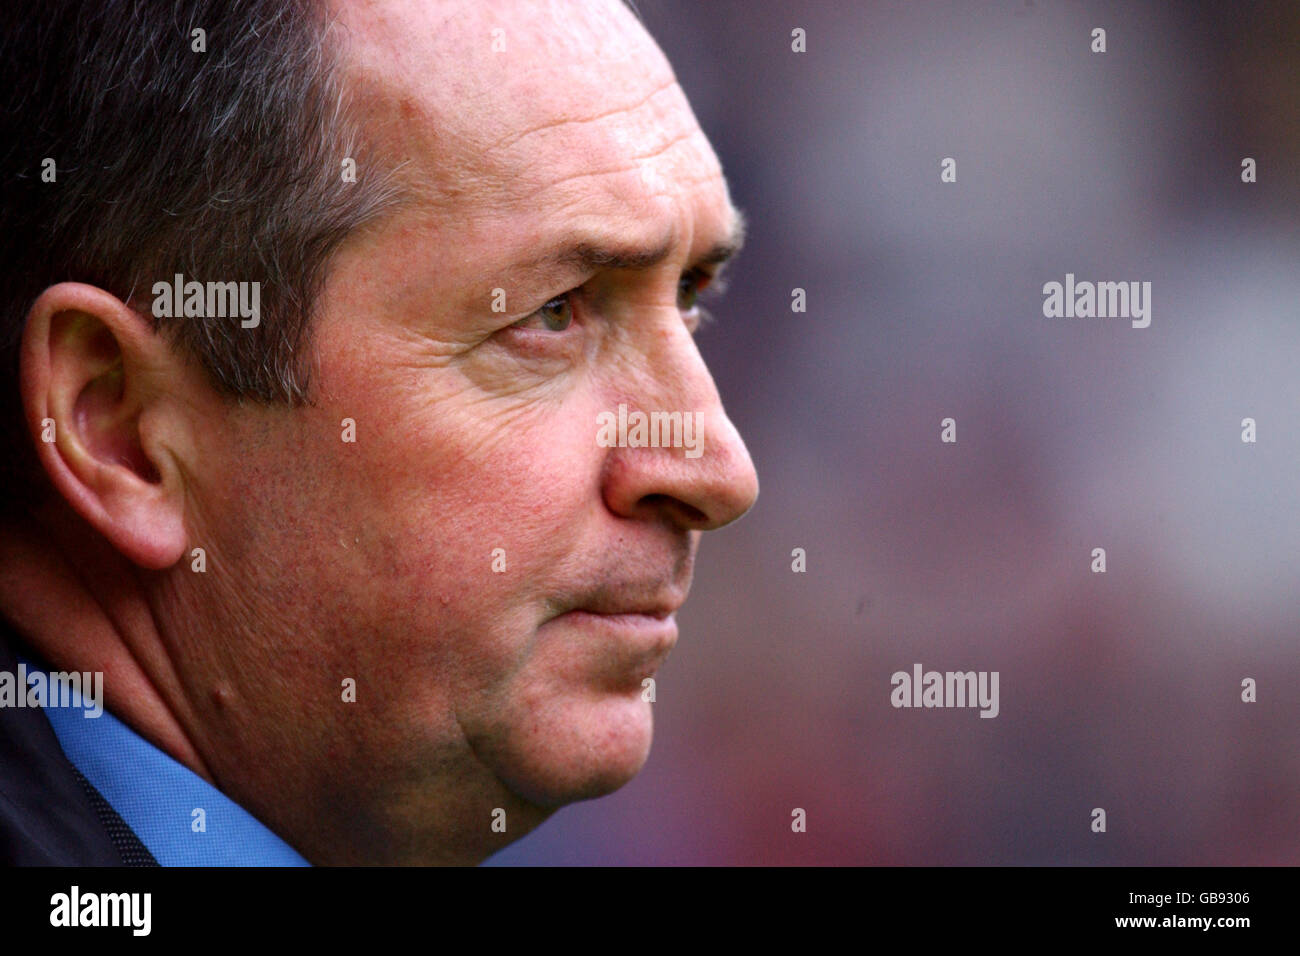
{"x":220,"y":165}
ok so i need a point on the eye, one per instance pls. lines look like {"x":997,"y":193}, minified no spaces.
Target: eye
{"x":554,"y":316}
{"x":689,"y":287}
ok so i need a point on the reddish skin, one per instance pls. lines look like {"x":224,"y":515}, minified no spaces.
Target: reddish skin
{"x":373,"y":560}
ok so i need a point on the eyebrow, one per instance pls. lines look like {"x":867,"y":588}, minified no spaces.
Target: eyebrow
{"x":590,"y":257}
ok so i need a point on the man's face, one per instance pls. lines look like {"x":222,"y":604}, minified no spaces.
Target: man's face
{"x":495,"y":580}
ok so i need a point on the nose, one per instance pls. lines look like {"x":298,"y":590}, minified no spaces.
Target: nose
{"x":671,"y":451}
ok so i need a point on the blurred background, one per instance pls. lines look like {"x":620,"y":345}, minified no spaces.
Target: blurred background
{"x":924,"y":301}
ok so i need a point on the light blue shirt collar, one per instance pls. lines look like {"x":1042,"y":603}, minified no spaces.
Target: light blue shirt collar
{"x":161,"y":799}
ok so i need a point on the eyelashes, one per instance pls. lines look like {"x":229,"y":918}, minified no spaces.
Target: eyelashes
{"x":711,"y":290}
{"x":694,"y":285}
{"x":555,"y":316}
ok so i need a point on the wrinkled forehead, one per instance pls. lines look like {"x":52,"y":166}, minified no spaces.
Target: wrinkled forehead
{"x":517,"y":93}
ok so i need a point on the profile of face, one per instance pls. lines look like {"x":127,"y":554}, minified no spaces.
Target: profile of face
{"x":441,"y":525}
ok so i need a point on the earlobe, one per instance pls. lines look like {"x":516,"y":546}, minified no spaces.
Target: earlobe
{"x":88,"y":366}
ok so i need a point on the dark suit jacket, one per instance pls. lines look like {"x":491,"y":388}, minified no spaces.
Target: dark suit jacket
{"x":51,"y":815}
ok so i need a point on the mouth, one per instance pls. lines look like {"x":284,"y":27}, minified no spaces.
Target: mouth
{"x":655,"y":607}
{"x":631,"y":644}
{"x":632,"y":621}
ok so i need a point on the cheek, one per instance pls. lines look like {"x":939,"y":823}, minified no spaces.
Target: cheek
{"x":470,"y":512}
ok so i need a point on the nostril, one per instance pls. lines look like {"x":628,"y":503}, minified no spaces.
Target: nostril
{"x":687,"y":514}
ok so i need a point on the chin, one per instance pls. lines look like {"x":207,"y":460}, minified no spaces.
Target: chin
{"x":576,"y":750}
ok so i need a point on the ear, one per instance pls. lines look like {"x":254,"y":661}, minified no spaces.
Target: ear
{"x":93,"y":377}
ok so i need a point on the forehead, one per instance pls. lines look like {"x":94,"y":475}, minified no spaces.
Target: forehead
{"x":520,"y":103}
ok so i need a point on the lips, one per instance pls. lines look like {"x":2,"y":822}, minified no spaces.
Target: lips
{"x":617,"y":629}
{"x":629,"y":620}
{"x":624,"y":647}
{"x":655,"y":613}
{"x":615,"y":604}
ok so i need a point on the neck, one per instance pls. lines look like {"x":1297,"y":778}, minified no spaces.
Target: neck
{"x":82,"y":606}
